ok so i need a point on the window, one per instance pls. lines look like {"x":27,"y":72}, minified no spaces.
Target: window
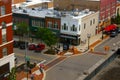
{"x":93,"y":21}
{"x":4,"y":32}
{"x":4,"y":38}
{"x":3,"y":25}
{"x":90,"y":22}
{"x":79,"y":27}
{"x":64,"y":27}
{"x":33,"y":22}
{"x":84,"y":26}
{"x":4,"y":51}
{"x":73,"y":28}
{"x":56,"y":25}
{"x":49,"y":24}
{"x":2,"y":10}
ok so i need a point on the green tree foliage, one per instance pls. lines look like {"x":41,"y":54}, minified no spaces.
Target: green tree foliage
{"x":46,"y":36}
{"x":12,"y":75}
{"x":117,"y":19}
{"x":22,"y":29}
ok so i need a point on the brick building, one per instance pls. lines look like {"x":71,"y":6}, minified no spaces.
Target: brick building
{"x":6,"y":38}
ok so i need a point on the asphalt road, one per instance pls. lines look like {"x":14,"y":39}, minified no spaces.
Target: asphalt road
{"x":34,"y":57}
{"x":72,"y":67}
{"x":109,"y":42}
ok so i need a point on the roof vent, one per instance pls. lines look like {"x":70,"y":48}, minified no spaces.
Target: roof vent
{"x":86,"y":11}
{"x":24,"y":11}
{"x":76,"y":12}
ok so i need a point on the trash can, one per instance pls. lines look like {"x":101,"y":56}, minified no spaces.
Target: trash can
{"x":92,"y":49}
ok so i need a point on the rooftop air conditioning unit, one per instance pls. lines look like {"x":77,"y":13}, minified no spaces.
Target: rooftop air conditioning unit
{"x":24,"y":11}
{"x":86,"y":10}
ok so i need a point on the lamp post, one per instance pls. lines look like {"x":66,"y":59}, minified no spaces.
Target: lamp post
{"x":27,"y":59}
{"x":88,"y":36}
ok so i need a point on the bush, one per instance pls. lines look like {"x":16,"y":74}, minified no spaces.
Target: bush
{"x":50,"y":51}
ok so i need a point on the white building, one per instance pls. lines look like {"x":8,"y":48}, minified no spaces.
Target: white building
{"x":76,"y":26}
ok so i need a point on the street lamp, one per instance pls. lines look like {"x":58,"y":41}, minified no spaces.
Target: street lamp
{"x":88,"y":36}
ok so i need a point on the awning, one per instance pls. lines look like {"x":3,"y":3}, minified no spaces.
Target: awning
{"x":110,"y":27}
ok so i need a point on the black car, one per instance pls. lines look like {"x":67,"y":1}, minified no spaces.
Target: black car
{"x":118,"y":29}
{"x":16,"y":44}
{"x":113,"y":33}
{"x":23,"y":45}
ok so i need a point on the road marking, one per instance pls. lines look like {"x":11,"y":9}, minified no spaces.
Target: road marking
{"x":31,"y":57}
{"x":54,"y":63}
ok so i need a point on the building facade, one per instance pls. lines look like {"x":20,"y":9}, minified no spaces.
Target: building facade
{"x":36,"y":18}
{"x":33,"y":3}
{"x":75,"y":28}
{"x":17,"y":1}
{"x":107,"y":10}
{"x":76,"y":4}
{"x":6,"y":38}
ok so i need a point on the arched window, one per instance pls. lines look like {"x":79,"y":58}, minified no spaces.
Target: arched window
{"x":73,"y":28}
{"x":65,"y":27}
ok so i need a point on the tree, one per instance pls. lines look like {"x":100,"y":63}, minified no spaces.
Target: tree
{"x":117,"y":19}
{"x":12,"y":75}
{"x":47,"y":36}
{"x":22,"y":29}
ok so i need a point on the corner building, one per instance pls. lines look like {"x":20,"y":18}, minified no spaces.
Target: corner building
{"x":6,"y":39}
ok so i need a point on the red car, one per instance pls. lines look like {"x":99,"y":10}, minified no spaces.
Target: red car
{"x":31,"y":47}
{"x":39,"y":47}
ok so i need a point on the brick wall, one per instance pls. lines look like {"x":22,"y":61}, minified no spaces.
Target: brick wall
{"x":80,"y":4}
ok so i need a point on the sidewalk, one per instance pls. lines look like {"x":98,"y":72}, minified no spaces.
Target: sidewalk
{"x":26,"y":75}
{"x":36,"y":72}
{"x":94,"y":40}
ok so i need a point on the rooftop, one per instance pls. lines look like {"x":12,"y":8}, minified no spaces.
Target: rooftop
{"x":31,"y":2}
{"x":39,"y":12}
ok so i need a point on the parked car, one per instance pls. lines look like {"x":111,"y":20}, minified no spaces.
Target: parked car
{"x":113,"y":33}
{"x":23,"y":45}
{"x":118,"y":29}
{"x":31,"y":46}
{"x":16,"y":44}
{"x":39,"y":47}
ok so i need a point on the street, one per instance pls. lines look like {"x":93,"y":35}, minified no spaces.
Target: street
{"x":73,"y":67}
{"x":112,"y":42}
{"x":34,"y":56}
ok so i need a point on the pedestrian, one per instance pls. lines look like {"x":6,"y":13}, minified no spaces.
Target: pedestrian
{"x":32,"y":76}
{"x":41,"y":70}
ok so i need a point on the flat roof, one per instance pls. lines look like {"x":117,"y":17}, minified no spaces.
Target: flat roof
{"x":31,"y":2}
{"x":39,"y":12}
